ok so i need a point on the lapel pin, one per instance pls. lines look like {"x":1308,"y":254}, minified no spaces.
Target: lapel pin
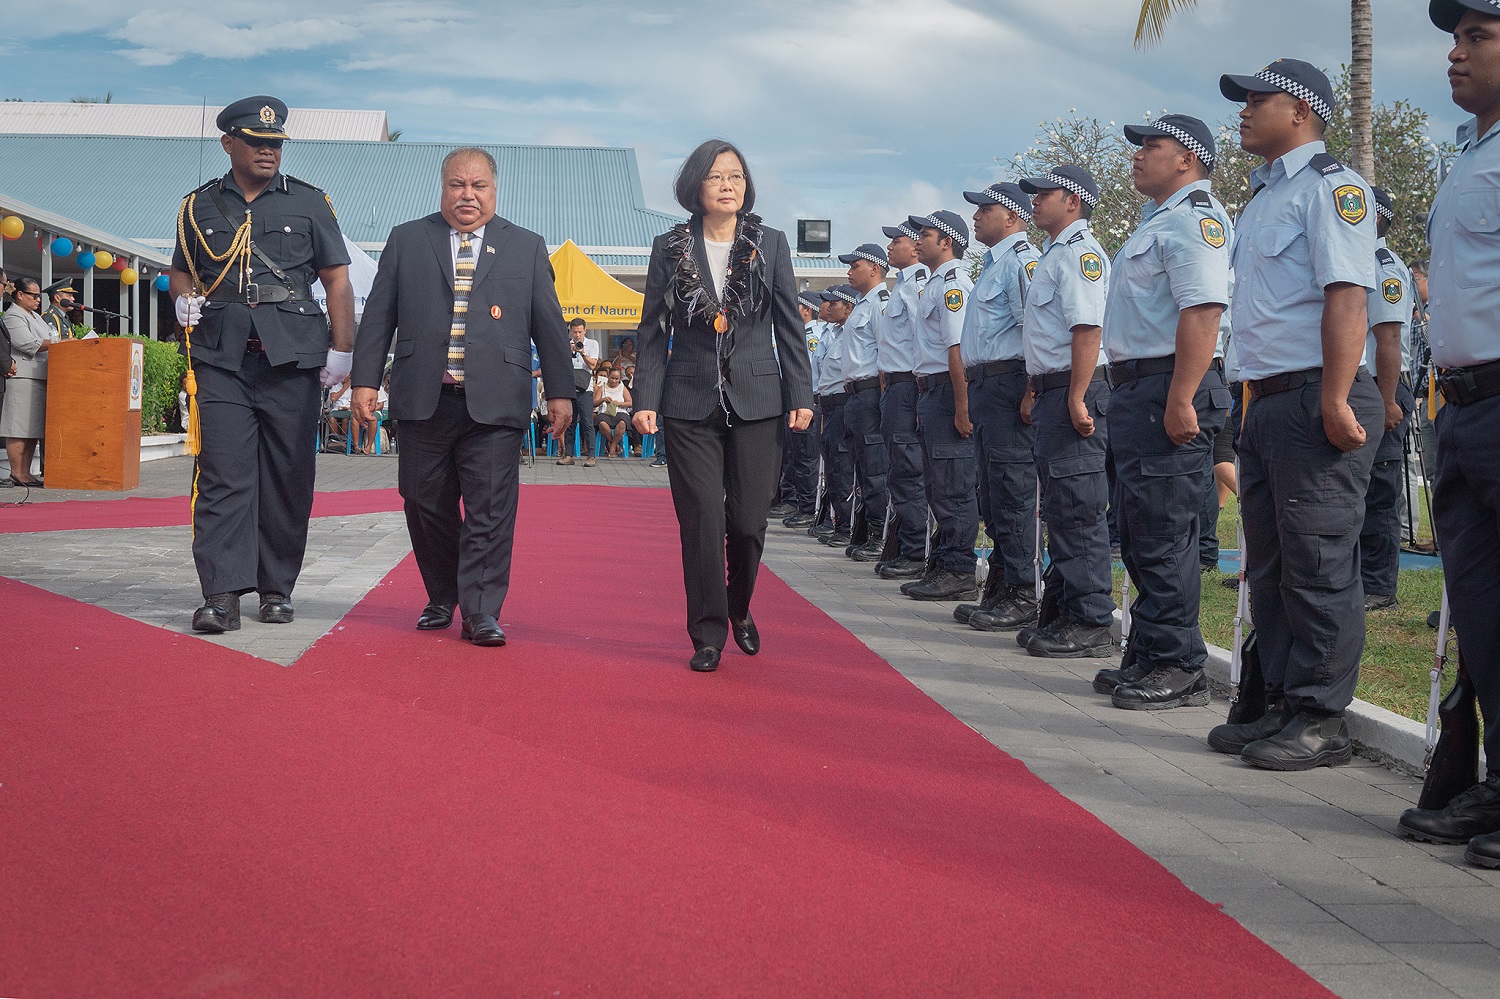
{"x":489,"y":249}
{"x":494,"y":312}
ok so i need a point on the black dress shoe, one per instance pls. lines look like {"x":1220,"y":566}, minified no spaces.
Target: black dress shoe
{"x":705,"y":660}
{"x":746,"y":636}
{"x":1016,"y":610}
{"x":798,"y":521}
{"x":1476,"y":812}
{"x":1074,"y":640}
{"x":821,"y":530}
{"x":220,"y":613}
{"x":1164,"y":687}
{"x":943,"y":585}
{"x":275,"y":608}
{"x":435,"y":617}
{"x":781,"y":510}
{"x":838,"y":539}
{"x":870,"y":551}
{"x":482,"y":629}
{"x":1308,"y":741}
{"x":1232,"y":739}
{"x":902,"y":568}
{"x":1484,"y":850}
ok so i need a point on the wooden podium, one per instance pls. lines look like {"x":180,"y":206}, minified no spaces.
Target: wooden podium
{"x":94,"y":414}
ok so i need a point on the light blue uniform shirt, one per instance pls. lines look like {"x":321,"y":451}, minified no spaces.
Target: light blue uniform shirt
{"x":815,"y":348}
{"x":896,"y":331}
{"x":831,"y":371}
{"x":1178,"y":257}
{"x":940,"y":315}
{"x":1389,"y":302}
{"x":1068,"y":289}
{"x":1463,"y":283}
{"x":992,"y":322}
{"x":1310,"y":226}
{"x":859,"y":340}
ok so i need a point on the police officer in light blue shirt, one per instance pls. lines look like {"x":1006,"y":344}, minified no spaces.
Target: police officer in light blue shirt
{"x":896,"y":336}
{"x":803,"y":444}
{"x":1066,"y":404}
{"x":861,"y":369}
{"x":1387,"y":354}
{"x":1168,"y":288}
{"x":838,"y":462}
{"x":943,"y":409}
{"x":1304,"y":258}
{"x":990,"y":349}
{"x":1464,"y":289}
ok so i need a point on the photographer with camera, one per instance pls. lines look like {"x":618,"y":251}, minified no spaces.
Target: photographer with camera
{"x":585,"y":354}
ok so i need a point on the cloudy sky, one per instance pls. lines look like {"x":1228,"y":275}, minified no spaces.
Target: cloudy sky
{"x":862,"y":111}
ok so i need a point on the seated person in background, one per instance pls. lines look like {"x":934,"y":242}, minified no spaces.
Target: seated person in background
{"x":625,"y":359}
{"x":338,"y":403}
{"x":612,"y":411}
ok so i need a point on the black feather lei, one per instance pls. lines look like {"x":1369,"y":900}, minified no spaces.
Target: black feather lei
{"x":744,"y":284}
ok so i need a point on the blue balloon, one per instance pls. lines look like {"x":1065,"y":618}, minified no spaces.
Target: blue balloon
{"x":62,"y":246}
{"x":162,"y":282}
{"x":86,"y":260}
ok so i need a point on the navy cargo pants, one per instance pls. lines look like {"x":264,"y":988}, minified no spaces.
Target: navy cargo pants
{"x":1007,"y":472}
{"x":867,"y":448}
{"x":1075,"y":494}
{"x":948,"y":472}
{"x":1380,"y":537}
{"x":898,"y":426}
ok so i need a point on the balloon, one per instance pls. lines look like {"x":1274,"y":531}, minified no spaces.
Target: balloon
{"x":120,"y":263}
{"x":85,"y":260}
{"x":104,"y":260}
{"x":128,"y":276}
{"x":162,"y":282}
{"x":11,"y":227}
{"x":62,"y":246}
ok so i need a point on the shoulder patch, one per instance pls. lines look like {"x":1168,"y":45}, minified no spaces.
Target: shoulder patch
{"x":1200,"y":199}
{"x":1350,"y":199}
{"x":1091,"y":265}
{"x":812,"y":344}
{"x":954,"y":300}
{"x":1325,"y":164}
{"x":1030,"y":269}
{"x":1385,"y":256}
{"x":1213,"y":232}
{"x":1391,"y":289}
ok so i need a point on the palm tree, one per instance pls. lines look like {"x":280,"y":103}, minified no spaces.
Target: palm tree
{"x":1156,"y":13}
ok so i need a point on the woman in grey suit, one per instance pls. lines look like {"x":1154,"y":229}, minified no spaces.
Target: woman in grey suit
{"x":720,"y":288}
{"x":23,"y":416}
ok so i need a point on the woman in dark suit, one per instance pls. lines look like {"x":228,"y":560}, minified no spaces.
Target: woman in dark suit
{"x":720,"y":287}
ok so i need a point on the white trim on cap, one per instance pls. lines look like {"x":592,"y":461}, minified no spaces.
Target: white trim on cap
{"x":1381,"y":211}
{"x":861,"y":254}
{"x":946,"y":229}
{"x":1072,"y":185}
{"x":1185,"y":137}
{"x":1002,"y":199}
{"x":1297,"y":90}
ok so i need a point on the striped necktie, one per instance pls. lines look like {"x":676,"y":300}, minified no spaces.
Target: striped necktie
{"x":463,"y":283}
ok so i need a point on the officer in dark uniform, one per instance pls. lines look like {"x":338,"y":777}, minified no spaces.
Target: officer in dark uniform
{"x":1303,"y":259}
{"x":1464,"y":289}
{"x":61,"y":299}
{"x":250,"y":245}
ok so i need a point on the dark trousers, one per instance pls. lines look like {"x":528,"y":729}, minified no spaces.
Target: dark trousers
{"x":1380,"y":536}
{"x":1466,"y":511}
{"x":802,"y":461}
{"x":723,"y":474}
{"x":871,"y":462}
{"x":1303,"y":500}
{"x":838,"y":468}
{"x":951,"y":480}
{"x":786,"y":485}
{"x":898,"y":427}
{"x":1075,"y":494}
{"x":1007,"y":472}
{"x":583,"y":419}
{"x":464,"y":557}
{"x":1160,"y":498}
{"x":253,"y":484}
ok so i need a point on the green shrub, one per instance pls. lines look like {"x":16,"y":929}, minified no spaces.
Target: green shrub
{"x":163,"y":378}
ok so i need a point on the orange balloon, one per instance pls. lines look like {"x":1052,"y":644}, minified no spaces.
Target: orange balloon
{"x":12,"y":227}
{"x":129,"y":276}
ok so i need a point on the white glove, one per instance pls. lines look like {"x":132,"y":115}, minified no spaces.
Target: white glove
{"x":337,"y":368}
{"x":189,"y":309}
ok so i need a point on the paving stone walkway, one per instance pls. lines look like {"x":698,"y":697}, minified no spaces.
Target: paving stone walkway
{"x":1308,"y":862}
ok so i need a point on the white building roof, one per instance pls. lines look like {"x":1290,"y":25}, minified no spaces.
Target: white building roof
{"x":187,"y":121}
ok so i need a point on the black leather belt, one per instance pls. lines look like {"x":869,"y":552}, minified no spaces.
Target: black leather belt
{"x":1059,"y":379}
{"x":1121,"y":372}
{"x":896,"y":377}
{"x":1285,"y":383}
{"x":925,"y":382}
{"x":452,"y":388}
{"x":988,"y":369}
{"x":859,"y":386}
{"x":833,"y":400}
{"x":254,"y":346}
{"x":1217,"y":364}
{"x":258,"y":294}
{"x":1466,"y":386}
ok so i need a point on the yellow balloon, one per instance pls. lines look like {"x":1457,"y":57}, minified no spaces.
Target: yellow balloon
{"x":104,"y":260}
{"x":128,"y":276}
{"x":12,"y":227}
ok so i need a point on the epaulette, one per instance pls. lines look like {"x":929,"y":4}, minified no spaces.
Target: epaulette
{"x":1385,"y":256}
{"x":1021,"y":247}
{"x":1325,"y":164}
{"x":204,"y":186}
{"x":298,"y":180}
{"x":921,"y":274}
{"x":1077,"y":237}
{"x":1200,"y":199}
{"x":885,"y":294}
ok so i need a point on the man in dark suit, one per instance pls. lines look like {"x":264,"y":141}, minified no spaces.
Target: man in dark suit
{"x":465,"y":294}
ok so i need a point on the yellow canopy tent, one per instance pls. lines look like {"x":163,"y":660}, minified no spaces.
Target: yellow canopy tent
{"x":586,"y":291}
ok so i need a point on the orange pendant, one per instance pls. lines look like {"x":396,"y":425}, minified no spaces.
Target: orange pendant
{"x":721,"y":323}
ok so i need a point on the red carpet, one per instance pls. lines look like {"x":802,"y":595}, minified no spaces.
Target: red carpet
{"x":174,"y":511}
{"x":576,"y":814}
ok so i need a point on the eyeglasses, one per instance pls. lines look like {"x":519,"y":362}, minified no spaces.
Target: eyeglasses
{"x":255,"y":142}
{"x":34,"y":294}
{"x":715,"y":179}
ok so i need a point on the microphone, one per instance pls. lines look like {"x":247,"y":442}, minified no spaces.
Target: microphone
{"x":102,"y":312}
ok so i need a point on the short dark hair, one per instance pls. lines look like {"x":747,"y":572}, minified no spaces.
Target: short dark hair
{"x":29,"y":285}
{"x":578,"y":321}
{"x":694,"y":171}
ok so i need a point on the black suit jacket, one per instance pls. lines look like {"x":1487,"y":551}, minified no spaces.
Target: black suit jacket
{"x":513,"y":304}
{"x":687,"y":386}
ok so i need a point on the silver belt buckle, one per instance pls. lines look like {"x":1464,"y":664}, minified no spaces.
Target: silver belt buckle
{"x":252,"y":294}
